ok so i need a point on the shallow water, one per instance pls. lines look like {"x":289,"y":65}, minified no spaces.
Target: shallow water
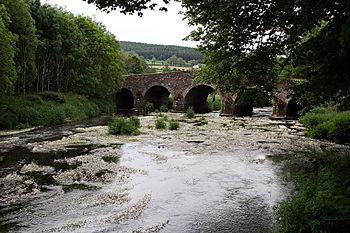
{"x":210,"y":178}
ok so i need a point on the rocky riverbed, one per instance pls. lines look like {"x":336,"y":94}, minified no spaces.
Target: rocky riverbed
{"x":212,"y":175}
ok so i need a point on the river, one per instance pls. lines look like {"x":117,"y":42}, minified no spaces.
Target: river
{"x":212,"y":175}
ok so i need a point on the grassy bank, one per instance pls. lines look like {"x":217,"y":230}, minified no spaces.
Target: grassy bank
{"x":48,"y":108}
{"x":325,"y":123}
{"x":320,"y":201}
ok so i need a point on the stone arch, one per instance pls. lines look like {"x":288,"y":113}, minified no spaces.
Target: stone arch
{"x":124,"y":100}
{"x":157,"y":95}
{"x":197,"y":96}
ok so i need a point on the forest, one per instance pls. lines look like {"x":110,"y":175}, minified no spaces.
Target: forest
{"x":161,"y":52}
{"x":46,"y":52}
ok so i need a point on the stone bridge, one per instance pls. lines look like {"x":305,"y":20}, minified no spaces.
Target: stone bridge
{"x":156,"y":88}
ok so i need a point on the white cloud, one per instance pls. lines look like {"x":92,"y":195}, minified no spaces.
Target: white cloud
{"x":154,"y":27}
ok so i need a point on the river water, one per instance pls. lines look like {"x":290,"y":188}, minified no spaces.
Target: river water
{"x":212,"y":175}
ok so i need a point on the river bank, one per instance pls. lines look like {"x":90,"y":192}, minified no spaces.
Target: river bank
{"x":202,"y":177}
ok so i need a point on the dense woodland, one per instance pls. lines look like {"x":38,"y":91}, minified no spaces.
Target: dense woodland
{"x":45,"y":52}
{"x":161,"y":52}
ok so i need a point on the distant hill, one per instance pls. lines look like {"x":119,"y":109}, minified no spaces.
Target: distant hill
{"x":161,"y":52}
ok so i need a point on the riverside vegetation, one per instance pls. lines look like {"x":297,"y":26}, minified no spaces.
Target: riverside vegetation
{"x":51,"y":60}
{"x":46,"y":49}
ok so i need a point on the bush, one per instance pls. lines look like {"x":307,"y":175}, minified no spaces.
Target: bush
{"x":202,"y":121}
{"x":323,"y":124}
{"x":135,"y":121}
{"x":174,"y":124}
{"x":161,"y":115}
{"x":35,"y":99}
{"x":124,"y":126}
{"x":163,"y":108}
{"x":53,"y":96}
{"x":32,"y":110}
{"x":322,"y":199}
{"x":190,"y":112}
{"x":160,"y":123}
{"x":148,"y":107}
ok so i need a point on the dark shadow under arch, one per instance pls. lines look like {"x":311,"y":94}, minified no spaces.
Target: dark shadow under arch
{"x":197,"y":97}
{"x":124,"y":101}
{"x":157,"y":95}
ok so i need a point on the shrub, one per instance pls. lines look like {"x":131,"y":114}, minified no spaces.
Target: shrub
{"x":174,"y":124}
{"x":163,"y":108}
{"x":160,"y":123}
{"x":35,"y":99}
{"x":148,"y":107}
{"x":323,"y":124}
{"x":135,"y":121}
{"x":165,"y":117}
{"x":190,"y":112}
{"x":53,"y":96}
{"x":203,"y":121}
{"x":27,"y":116}
{"x":125,"y":126}
{"x":322,"y":199}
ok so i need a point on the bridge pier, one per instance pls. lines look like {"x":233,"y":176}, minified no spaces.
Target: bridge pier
{"x":284,"y":106}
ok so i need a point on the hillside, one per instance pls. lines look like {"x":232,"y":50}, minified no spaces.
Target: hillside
{"x":161,"y":52}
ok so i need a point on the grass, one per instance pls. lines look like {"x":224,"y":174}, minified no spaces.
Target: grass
{"x":323,"y":123}
{"x":47,"y":109}
{"x":124,"y":126}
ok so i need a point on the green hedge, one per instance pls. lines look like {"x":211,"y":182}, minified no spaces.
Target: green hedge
{"x":325,"y":124}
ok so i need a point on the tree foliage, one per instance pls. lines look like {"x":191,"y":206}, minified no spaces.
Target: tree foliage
{"x":7,"y":53}
{"x":23,"y":26}
{"x":242,"y":39}
{"x":134,"y":64}
{"x":129,"y":7}
{"x":53,"y":50}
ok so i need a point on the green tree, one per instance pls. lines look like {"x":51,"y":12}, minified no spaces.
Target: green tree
{"x":134,"y":64}
{"x":100,"y":71}
{"x":59,"y":40}
{"x":22,"y":25}
{"x":7,"y":52}
{"x":243,"y":39}
{"x":176,"y":61}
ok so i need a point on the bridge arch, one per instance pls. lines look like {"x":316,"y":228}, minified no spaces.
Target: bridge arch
{"x":157,"y":95}
{"x":197,"y":97}
{"x":124,"y":100}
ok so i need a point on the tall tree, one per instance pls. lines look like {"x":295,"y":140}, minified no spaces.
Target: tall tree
{"x":7,"y":66}
{"x":59,"y":40}
{"x":99,"y":72}
{"x":22,"y":25}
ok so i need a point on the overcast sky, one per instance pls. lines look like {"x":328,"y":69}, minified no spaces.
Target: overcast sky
{"x":154,"y":27}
